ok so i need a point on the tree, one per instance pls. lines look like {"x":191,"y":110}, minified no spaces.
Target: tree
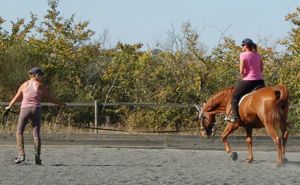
{"x":15,"y":53}
{"x":67,"y":50}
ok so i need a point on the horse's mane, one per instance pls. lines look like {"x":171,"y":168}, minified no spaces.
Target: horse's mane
{"x":217,"y":98}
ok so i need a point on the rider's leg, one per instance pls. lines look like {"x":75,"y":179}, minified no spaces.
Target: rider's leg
{"x":241,"y":89}
{"x":234,"y":109}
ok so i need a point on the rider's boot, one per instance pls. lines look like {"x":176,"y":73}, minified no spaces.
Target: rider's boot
{"x":233,"y":117}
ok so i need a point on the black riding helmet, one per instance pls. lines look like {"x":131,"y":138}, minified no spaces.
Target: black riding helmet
{"x":247,"y":42}
{"x":36,"y":70}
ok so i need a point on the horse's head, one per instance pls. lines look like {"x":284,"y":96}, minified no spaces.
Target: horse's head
{"x":207,"y":126}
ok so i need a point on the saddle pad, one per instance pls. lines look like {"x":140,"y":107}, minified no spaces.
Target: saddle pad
{"x":243,"y":97}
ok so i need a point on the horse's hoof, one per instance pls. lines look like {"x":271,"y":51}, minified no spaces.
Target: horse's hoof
{"x":249,"y":161}
{"x":278,"y":165}
{"x":234,"y":156}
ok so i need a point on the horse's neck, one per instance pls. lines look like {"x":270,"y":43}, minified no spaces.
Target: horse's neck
{"x":218,"y":102}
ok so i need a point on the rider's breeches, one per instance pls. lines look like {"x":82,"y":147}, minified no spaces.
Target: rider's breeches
{"x":244,"y":87}
{"x":27,"y":114}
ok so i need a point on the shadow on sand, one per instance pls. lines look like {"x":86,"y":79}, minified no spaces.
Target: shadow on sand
{"x":294,"y":163}
{"x":121,"y":165}
{"x":106,"y":165}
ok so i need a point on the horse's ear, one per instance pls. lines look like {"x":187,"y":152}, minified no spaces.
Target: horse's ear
{"x":197,"y":107}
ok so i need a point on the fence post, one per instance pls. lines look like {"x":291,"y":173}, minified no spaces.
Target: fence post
{"x":96,"y":117}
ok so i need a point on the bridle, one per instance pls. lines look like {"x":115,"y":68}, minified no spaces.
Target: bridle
{"x":202,"y":117}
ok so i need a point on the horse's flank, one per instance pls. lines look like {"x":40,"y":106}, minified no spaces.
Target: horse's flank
{"x":269,"y":104}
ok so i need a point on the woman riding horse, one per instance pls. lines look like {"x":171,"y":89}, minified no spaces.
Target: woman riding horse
{"x":266,"y":107}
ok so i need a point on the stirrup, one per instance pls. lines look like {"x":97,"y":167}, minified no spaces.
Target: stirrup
{"x":38,"y":160}
{"x":231,"y":119}
{"x":20,"y":159}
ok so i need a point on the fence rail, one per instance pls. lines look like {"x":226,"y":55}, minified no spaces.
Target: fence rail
{"x":92,"y":104}
{"x":116,"y":104}
{"x":97,"y":104}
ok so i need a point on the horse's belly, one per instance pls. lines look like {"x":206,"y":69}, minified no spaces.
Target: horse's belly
{"x":252,"y":121}
{"x":258,"y":125}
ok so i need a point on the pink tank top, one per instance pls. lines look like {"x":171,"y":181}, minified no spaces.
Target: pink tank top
{"x":252,"y":61}
{"x":31,"y":95}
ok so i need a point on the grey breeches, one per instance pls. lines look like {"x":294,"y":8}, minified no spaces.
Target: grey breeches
{"x":33,"y":114}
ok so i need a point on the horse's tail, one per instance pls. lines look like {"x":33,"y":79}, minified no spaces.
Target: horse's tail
{"x":282,"y":104}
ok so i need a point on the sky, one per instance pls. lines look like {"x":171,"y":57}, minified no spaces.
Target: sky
{"x":149,"y":21}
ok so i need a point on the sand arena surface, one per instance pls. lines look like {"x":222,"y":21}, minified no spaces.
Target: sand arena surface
{"x":97,"y":165}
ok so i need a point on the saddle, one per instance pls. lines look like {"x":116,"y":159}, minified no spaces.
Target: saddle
{"x":248,"y":94}
{"x":231,"y":119}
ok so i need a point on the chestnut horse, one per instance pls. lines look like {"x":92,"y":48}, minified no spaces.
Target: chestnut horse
{"x":266,"y":107}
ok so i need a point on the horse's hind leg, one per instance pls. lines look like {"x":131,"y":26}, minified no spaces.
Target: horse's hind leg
{"x":249,"y":143}
{"x":284,"y":139}
{"x":228,"y":130}
{"x":272,"y":132}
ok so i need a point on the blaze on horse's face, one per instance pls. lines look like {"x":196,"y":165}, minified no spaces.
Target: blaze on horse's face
{"x":207,"y":126}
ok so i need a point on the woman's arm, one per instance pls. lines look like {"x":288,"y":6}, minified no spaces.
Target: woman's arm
{"x":50,"y":97}
{"x":242,"y":65}
{"x":17,"y":97}
{"x":261,"y":66}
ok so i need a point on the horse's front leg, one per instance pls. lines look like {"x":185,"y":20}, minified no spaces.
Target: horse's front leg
{"x":249,"y":142}
{"x":228,"y":130}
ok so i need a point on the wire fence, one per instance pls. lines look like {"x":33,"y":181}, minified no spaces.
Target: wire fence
{"x":100,"y":106}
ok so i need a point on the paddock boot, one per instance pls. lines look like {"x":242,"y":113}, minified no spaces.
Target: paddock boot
{"x":37,"y":148}
{"x":38,"y":160}
{"x":20,"y":159}
{"x":233,"y":117}
{"x":20,"y":148}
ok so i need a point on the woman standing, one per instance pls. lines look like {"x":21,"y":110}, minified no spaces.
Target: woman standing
{"x":251,"y":71}
{"x":31,"y":92}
